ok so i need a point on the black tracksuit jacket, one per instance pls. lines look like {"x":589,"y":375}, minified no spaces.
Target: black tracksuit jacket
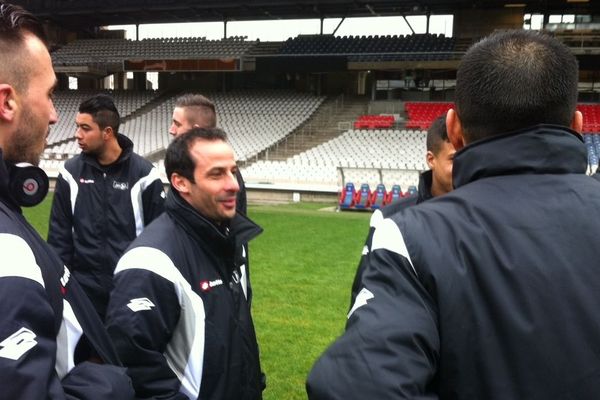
{"x":49,"y":330}
{"x":491,"y":291}
{"x":98,"y":210}
{"x":179,"y":314}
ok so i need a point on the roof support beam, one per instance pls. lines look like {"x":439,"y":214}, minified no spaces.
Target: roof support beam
{"x":338,"y":26}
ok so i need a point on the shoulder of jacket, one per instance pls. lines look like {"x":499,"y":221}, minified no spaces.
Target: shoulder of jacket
{"x":74,"y":162}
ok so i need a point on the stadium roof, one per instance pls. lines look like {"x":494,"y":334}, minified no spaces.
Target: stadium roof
{"x":86,"y":14}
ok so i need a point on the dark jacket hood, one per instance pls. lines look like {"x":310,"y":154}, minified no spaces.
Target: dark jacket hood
{"x":542,"y":149}
{"x":240,"y":228}
{"x":126,"y":146}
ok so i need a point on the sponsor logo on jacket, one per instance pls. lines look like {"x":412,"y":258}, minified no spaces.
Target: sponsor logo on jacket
{"x":17,"y":344}
{"x":64,"y":280}
{"x":83,"y":180}
{"x":140,"y":304}
{"x":120,"y":185}
{"x":205,"y":286}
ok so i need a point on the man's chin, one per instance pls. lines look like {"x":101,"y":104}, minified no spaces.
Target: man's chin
{"x":228,"y":214}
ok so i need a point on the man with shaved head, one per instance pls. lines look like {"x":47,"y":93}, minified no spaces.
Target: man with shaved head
{"x":489,"y":291}
{"x":52,"y":344}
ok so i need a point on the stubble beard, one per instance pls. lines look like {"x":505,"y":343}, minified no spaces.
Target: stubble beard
{"x":25,"y":143}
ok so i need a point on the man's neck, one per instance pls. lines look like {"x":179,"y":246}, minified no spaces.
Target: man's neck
{"x":436,"y":189}
{"x":111,"y":153}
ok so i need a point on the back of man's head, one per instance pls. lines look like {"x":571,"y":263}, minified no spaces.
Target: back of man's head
{"x":15,"y":23}
{"x":515,"y":79}
{"x":198,"y":110}
{"x":103,"y":111}
{"x":178,"y":158}
{"x":437,"y":135}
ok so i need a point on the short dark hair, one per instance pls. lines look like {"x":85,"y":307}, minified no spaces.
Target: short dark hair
{"x":437,"y":134}
{"x":198,"y":109}
{"x":178,"y":158}
{"x":515,"y":79}
{"x":103,"y":111}
{"x":15,"y":23}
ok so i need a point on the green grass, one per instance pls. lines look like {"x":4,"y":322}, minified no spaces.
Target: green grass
{"x":302,"y":268}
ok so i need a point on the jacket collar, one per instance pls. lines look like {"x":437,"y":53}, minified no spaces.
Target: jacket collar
{"x":239,"y":231}
{"x":541,"y":149}
{"x":425,"y":181}
{"x":126,"y":146}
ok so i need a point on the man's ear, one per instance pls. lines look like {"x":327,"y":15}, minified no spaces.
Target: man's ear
{"x":577,"y":122}
{"x":107,"y":132}
{"x":429,"y":158}
{"x":455,"y":130}
{"x":180,"y":183}
{"x":8,"y":103}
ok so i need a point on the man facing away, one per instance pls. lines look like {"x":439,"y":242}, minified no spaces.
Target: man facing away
{"x":179,"y":314}
{"x":196,"y":111}
{"x":490,"y":291}
{"x":52,"y":343}
{"x":103,"y":199}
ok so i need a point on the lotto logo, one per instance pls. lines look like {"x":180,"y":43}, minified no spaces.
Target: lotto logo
{"x":140,"y":304}
{"x":17,"y":344}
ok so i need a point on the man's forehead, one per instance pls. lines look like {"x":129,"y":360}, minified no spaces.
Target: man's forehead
{"x":211,"y":149}
{"x":84,"y":118}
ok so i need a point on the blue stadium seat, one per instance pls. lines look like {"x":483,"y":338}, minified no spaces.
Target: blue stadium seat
{"x":363,"y":197}
{"x":347,"y":196}
{"x":379,"y":197}
{"x":394,"y":195}
{"x":412,"y":189}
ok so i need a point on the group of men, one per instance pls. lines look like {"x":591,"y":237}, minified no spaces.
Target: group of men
{"x":486,"y":291}
{"x":138,"y":293}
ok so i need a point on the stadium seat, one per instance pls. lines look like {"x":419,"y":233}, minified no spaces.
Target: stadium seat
{"x":378,"y":197}
{"x":394,"y":195}
{"x":363,"y":197}
{"x":412,"y":189}
{"x":347,"y":196}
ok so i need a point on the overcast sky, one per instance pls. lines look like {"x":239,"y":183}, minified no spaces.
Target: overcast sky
{"x":280,"y":30}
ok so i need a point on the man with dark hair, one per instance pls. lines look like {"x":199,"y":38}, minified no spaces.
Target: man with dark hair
{"x":490,"y":291}
{"x":103,"y":199}
{"x":179,"y":314}
{"x":196,"y":111}
{"x":49,"y":332}
{"x":438,"y":179}
{"x":432,"y":183}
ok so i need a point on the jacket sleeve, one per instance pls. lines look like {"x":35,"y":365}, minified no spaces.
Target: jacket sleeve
{"x":390,"y":347}
{"x":60,"y":231}
{"x":375,"y":218}
{"x":142,"y":313}
{"x":27,"y":337}
{"x":153,"y":200}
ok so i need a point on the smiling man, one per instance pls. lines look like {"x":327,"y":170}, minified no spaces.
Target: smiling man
{"x":103,"y":199}
{"x":193,"y":110}
{"x":179,"y":314}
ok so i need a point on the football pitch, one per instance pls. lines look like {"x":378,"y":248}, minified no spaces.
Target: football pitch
{"x":301,"y":268}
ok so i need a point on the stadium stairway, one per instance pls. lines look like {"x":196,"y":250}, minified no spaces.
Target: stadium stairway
{"x":321,"y":127}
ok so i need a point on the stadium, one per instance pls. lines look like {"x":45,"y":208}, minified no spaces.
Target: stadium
{"x":306,"y":116}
